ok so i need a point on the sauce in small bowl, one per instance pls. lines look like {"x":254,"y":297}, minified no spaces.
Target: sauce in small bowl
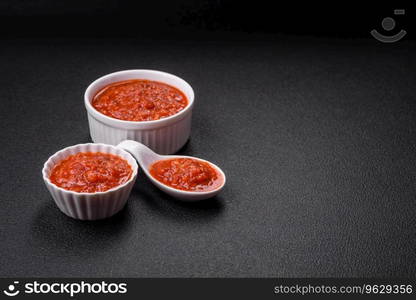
{"x":148,"y":106}
{"x":91,"y":172}
{"x":139,"y":100}
{"x":90,"y":181}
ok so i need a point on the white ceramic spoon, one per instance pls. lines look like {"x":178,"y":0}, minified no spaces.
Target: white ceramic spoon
{"x":147,"y":157}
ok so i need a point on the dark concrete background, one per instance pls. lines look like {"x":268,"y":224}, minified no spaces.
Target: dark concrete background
{"x":313,"y":121}
{"x":188,"y":17}
{"x":316,"y":135}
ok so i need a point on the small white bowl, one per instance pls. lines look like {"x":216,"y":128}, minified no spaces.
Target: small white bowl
{"x":165,"y":136}
{"x":89,"y":206}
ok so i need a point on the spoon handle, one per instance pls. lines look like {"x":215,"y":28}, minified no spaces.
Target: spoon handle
{"x":141,"y":153}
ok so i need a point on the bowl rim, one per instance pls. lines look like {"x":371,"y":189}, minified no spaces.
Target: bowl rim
{"x":134,"y":166}
{"x":134,"y":124}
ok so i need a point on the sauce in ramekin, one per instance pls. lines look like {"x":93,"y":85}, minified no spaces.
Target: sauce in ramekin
{"x":139,"y":100}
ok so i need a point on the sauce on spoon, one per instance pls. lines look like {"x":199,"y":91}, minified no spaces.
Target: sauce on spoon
{"x":186,"y":174}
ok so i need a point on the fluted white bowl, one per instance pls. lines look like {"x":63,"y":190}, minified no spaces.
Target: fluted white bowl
{"x":164,"y":136}
{"x":89,"y":206}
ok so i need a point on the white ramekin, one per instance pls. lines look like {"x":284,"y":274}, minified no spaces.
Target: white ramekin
{"x":165,"y":136}
{"x":90,"y":206}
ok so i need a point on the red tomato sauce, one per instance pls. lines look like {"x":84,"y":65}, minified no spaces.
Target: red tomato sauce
{"x":139,"y":100}
{"x":186,"y":174}
{"x":90,"y":172}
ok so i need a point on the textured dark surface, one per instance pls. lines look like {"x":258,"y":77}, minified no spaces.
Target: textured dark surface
{"x":317,"y":137}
